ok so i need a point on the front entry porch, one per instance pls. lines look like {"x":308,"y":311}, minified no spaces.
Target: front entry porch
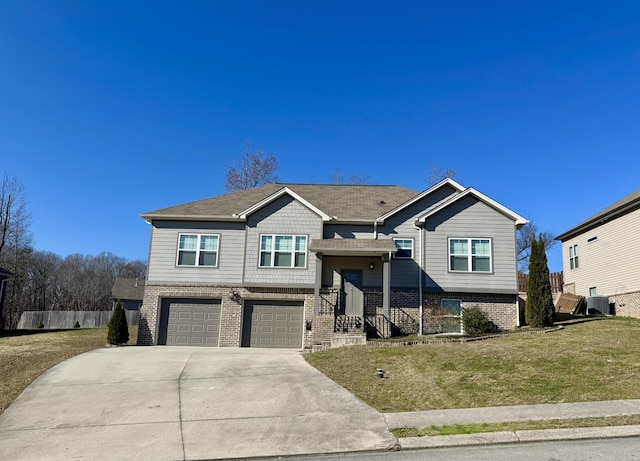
{"x":373,"y":322}
{"x":353,"y":285}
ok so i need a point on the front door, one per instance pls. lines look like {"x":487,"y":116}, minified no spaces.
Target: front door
{"x":352,"y":296}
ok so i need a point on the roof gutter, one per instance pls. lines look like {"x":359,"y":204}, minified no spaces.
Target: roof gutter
{"x":168,"y":217}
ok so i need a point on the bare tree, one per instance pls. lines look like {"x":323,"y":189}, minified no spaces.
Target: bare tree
{"x":14,"y":217}
{"x":254,"y":168}
{"x":339,"y":178}
{"x":523,"y":243}
{"x":15,"y":247}
{"x":437,"y":174}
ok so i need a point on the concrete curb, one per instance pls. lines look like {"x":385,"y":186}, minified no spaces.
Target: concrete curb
{"x":544,"y":435}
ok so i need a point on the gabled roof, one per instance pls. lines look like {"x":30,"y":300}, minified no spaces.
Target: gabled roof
{"x":284,"y":191}
{"x":619,"y":208}
{"x":342,"y":203}
{"x":445,"y":182}
{"x":519,"y":220}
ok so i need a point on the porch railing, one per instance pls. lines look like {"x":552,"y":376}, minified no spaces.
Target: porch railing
{"x":329,"y":302}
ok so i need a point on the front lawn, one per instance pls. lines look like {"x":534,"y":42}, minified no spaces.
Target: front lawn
{"x":594,"y":359}
{"x":26,"y":354}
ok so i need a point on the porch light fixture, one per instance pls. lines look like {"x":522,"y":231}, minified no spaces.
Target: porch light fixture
{"x":234,"y":296}
{"x":371,"y":266}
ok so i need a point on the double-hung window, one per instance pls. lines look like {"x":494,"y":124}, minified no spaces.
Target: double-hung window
{"x":573,"y":257}
{"x":283,"y":251}
{"x":198,"y":250}
{"x":469,"y":255}
{"x":405,"y":248}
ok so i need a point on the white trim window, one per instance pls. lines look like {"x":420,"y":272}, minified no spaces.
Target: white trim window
{"x":405,"y":248}
{"x":573,"y":257}
{"x":283,"y":251}
{"x":470,"y":255}
{"x":199,"y":250}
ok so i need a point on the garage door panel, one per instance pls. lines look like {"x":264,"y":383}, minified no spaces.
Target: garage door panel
{"x":193,"y":323}
{"x":273,"y":324}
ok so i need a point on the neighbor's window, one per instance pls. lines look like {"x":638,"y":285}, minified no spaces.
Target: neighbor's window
{"x":405,"y":248}
{"x":470,"y":255}
{"x":593,"y":291}
{"x":573,"y":256}
{"x":198,"y":250}
{"x":283,"y":251}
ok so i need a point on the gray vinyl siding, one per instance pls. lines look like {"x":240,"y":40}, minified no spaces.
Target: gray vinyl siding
{"x":405,"y":273}
{"x":348,"y":231}
{"x":609,"y":262}
{"x":164,"y":247}
{"x":470,"y":218}
{"x":332,"y":267}
{"x":284,"y":216}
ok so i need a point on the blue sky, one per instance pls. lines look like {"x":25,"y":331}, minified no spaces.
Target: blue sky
{"x":111,"y":109}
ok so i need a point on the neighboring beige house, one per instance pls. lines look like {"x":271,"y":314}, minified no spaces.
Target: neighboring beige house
{"x":601,"y":256}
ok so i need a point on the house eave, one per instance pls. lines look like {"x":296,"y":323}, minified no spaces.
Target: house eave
{"x":518,"y":220}
{"x":284,"y":191}
{"x":599,"y":220}
{"x":149,"y":218}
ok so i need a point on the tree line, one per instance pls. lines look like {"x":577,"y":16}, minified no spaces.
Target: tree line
{"x":42,"y":280}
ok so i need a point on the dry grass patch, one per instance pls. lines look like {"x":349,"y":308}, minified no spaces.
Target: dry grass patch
{"x":26,"y":354}
{"x":589,"y":360}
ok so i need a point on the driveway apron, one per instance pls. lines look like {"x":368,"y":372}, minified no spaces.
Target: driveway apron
{"x":186,"y":403}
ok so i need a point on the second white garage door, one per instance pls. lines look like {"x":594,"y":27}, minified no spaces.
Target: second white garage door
{"x":275,"y":324}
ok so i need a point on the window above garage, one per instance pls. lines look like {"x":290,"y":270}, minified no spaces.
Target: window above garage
{"x":198,"y":250}
{"x":283,"y":251}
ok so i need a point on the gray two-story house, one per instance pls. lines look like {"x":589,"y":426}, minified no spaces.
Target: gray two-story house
{"x":298,"y":265}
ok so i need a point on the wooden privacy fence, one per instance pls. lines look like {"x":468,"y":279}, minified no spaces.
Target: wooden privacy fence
{"x":555,"y":278}
{"x":65,"y":319}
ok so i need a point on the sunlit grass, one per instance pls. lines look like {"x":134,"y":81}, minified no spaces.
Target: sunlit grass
{"x":587,"y":360}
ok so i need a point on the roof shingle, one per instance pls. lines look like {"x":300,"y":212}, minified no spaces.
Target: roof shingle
{"x":346,"y":202}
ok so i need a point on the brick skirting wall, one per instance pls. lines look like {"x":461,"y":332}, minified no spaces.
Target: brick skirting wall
{"x":502,"y":309}
{"x":626,"y":304}
{"x":231,"y":309}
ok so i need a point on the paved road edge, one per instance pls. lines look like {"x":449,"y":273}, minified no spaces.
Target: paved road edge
{"x":543,"y":435}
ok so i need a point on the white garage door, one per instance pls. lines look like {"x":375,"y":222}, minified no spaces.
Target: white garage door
{"x":275,"y":324}
{"x":190,"y":322}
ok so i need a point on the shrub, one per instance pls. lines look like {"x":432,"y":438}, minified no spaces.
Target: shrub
{"x":539,"y":310}
{"x":40,"y":325}
{"x":118,"y":329}
{"x":76,"y":324}
{"x":476,"y":323}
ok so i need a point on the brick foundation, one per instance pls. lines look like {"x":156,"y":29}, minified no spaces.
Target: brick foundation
{"x":626,"y":304}
{"x":501,"y":309}
{"x":231,"y":309}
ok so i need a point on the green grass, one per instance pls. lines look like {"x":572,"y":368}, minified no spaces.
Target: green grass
{"x":455,"y":429}
{"x":26,"y":354}
{"x":590,"y":359}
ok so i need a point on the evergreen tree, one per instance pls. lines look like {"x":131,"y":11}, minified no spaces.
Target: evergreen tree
{"x":118,"y":328}
{"x":539,"y":309}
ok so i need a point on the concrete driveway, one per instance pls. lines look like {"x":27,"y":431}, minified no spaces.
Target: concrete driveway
{"x":185,"y":403}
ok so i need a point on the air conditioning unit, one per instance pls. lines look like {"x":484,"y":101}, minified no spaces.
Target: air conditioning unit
{"x":598,"y":305}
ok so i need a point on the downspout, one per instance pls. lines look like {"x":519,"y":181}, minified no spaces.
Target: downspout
{"x":420,"y":275}
{"x":375,"y":230}
{"x":515,"y":236}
